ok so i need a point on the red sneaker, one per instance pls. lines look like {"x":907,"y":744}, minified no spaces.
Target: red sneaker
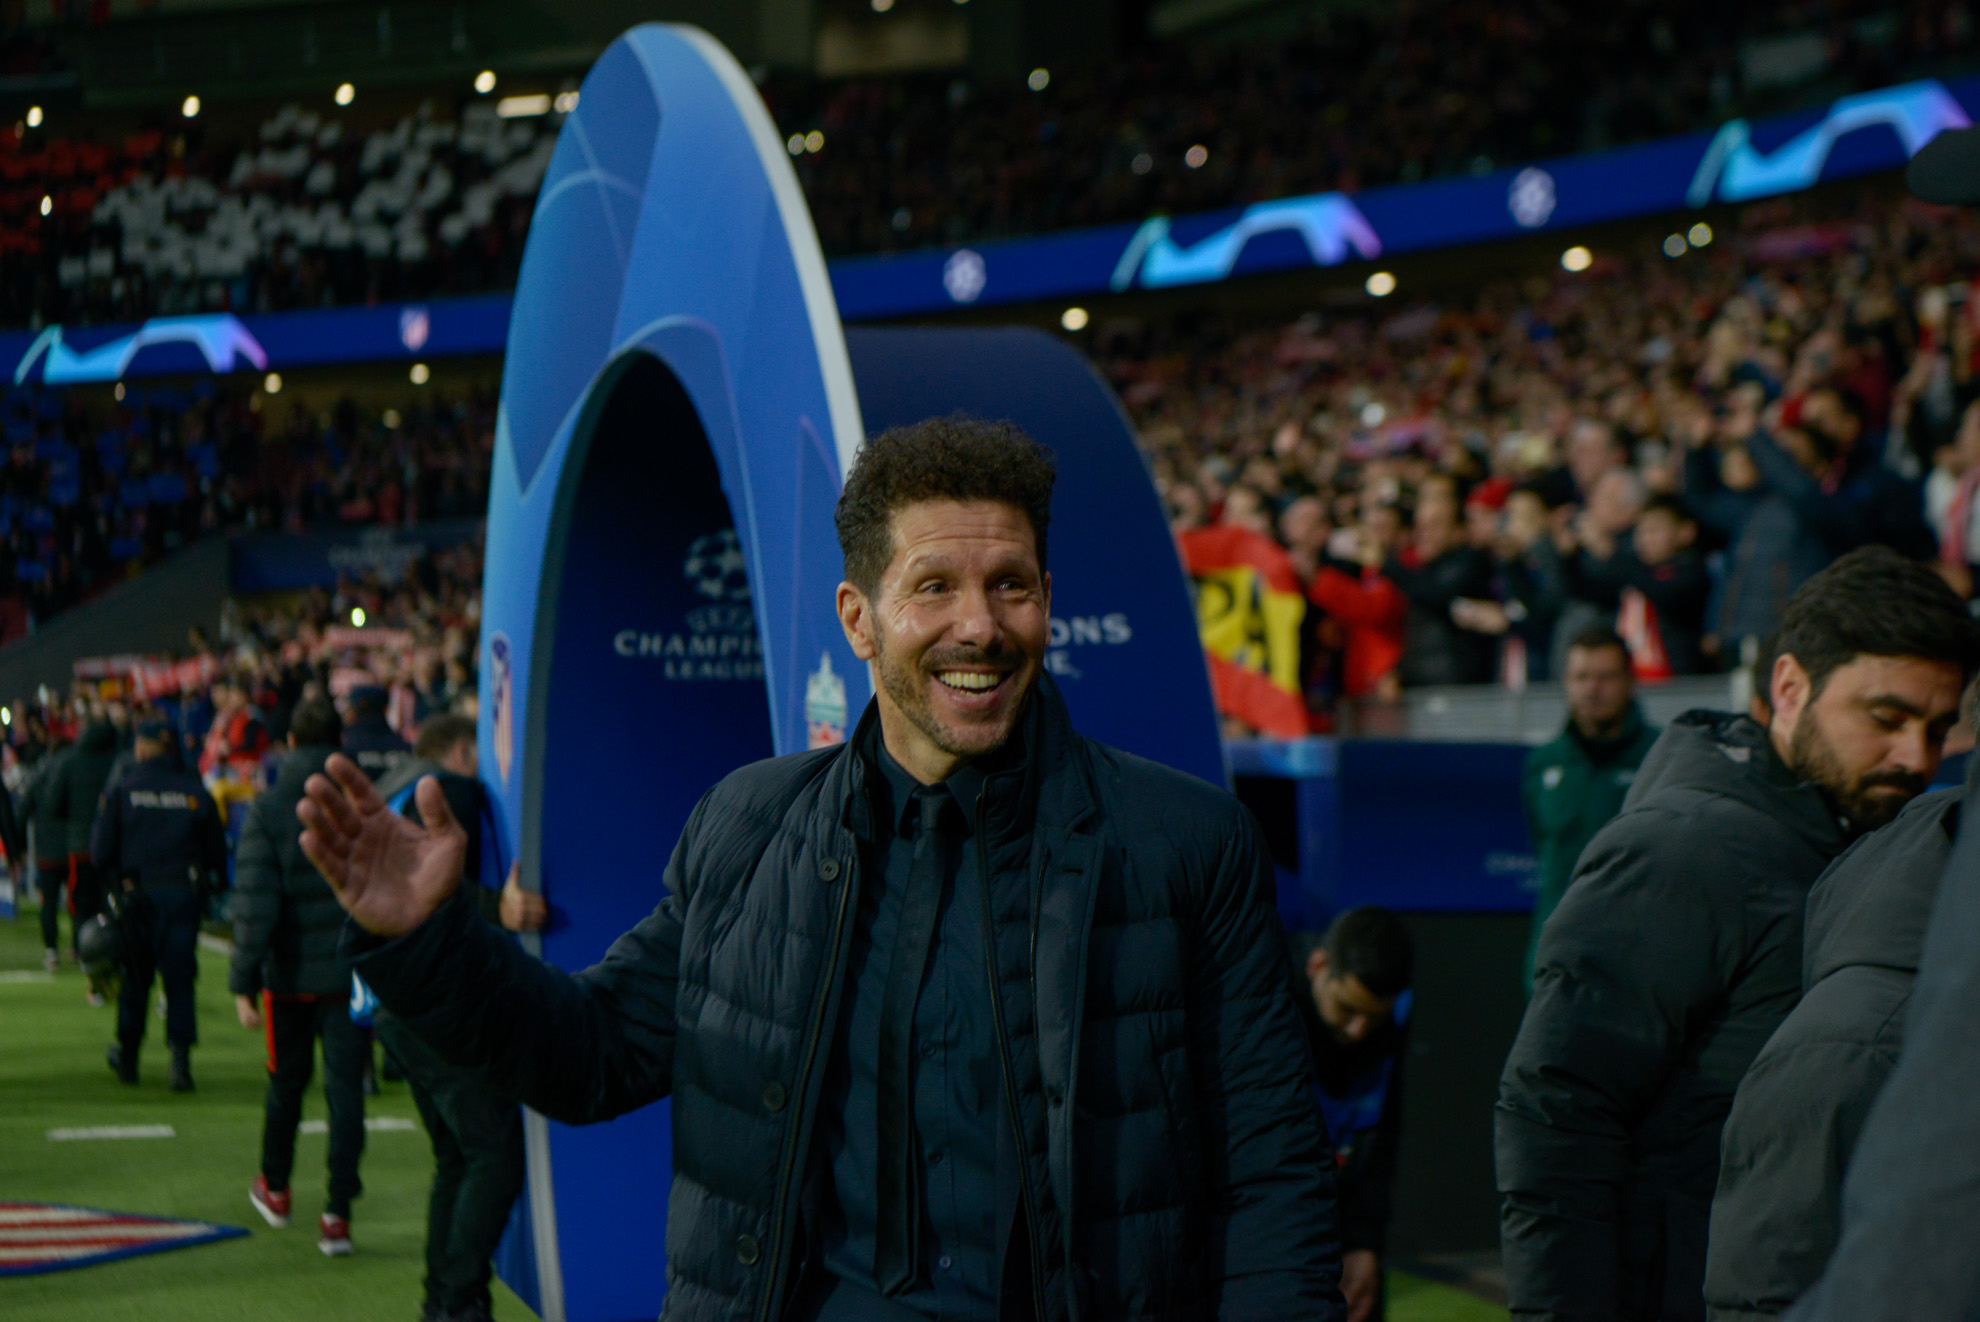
{"x":333,"y":1235}
{"x":274,"y":1207}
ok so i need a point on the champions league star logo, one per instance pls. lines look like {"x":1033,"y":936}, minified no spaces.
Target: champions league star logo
{"x":715,"y":567}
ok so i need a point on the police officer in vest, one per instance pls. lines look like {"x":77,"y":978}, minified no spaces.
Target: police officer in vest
{"x":158,"y":842}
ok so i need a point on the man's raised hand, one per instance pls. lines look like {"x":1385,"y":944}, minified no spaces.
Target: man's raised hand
{"x":388,"y":872}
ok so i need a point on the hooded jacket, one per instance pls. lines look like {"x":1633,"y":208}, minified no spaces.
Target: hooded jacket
{"x":1673,"y":957}
{"x":287,"y":921}
{"x":1172,"y":1162}
{"x":1800,"y":1109}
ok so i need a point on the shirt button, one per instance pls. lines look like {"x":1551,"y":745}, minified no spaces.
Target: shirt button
{"x":929,"y":1049}
{"x":829,"y":869}
{"x":746,"y":1250}
{"x":773,"y":1096}
{"x":945,"y":1262}
{"x":934,"y":1159}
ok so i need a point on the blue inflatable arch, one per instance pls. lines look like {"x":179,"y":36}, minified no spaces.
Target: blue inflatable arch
{"x":678,"y":407}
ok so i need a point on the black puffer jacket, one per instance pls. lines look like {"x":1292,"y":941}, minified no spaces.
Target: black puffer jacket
{"x":1176,"y":1161}
{"x":80,"y":781}
{"x":1672,"y":959}
{"x":286,"y":919}
{"x":1911,"y":1197}
{"x":1801,"y":1107}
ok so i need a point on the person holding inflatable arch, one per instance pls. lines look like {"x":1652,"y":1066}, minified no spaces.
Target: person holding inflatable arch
{"x":966,"y":1017}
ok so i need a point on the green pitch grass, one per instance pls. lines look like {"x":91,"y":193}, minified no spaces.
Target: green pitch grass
{"x":53,"y":1076}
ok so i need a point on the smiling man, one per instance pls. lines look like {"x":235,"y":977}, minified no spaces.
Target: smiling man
{"x":969,"y":1017}
{"x":1677,"y":949}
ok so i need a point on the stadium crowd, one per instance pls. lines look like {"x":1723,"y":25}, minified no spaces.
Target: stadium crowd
{"x":91,"y":494}
{"x":1666,"y":445}
{"x":312,"y":208}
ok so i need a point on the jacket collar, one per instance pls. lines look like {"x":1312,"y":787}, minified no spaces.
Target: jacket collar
{"x":1052,"y":788}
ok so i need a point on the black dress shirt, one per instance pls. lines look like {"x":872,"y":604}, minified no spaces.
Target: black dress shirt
{"x":957,"y":1088}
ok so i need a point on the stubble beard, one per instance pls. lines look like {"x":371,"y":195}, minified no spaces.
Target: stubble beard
{"x":902,"y":681}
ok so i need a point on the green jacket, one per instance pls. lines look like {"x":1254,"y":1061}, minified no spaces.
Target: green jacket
{"x":1570,"y":790}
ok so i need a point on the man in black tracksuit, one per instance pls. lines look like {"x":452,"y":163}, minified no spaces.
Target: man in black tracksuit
{"x":476,"y":1131}
{"x":1801,"y":1107}
{"x":373,"y":744}
{"x":159,"y":842}
{"x":1074,"y":1087}
{"x":1677,"y":950}
{"x":290,"y":982}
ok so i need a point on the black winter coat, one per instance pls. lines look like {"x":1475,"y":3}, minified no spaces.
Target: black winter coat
{"x":81,"y":780}
{"x":1801,"y":1107}
{"x":1175,"y":1165}
{"x":1911,"y":1197}
{"x":287,"y":921}
{"x":1673,"y":957}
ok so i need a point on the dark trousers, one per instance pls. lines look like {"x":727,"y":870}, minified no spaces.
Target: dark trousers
{"x":161,"y":934}
{"x":85,"y":893}
{"x":293,"y":1026}
{"x":52,"y":878}
{"x":477,"y":1168}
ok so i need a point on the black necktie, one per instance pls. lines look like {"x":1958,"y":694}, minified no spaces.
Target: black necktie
{"x":896,"y":1254}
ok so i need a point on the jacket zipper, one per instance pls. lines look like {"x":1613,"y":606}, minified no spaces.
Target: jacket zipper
{"x":778,"y":1230}
{"x":1032,"y":1226}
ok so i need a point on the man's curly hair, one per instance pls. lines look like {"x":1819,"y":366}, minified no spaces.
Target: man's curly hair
{"x":954,"y":458}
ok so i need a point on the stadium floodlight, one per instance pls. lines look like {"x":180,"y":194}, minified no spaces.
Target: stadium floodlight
{"x":1674,"y":245}
{"x":523,"y":107}
{"x":795,"y":144}
{"x":1039,"y":80}
{"x":47,"y":204}
{"x":1142,"y":163}
{"x":272,"y":383}
{"x":190,"y":107}
{"x":1699,"y":234}
{"x":814,"y":141}
{"x":119,"y":392}
{"x":357,"y":617}
{"x":1196,"y":157}
{"x":345,"y":94}
{"x":1577,"y":259}
{"x":1372,"y":413}
{"x":421,"y":374}
{"x":34,"y":117}
{"x":882,"y":6}
{"x":566,"y":102}
{"x":1381,"y":284}
{"x":1073,"y":319}
{"x":6,"y":715}
{"x":484,"y":82}
{"x":390,"y":417}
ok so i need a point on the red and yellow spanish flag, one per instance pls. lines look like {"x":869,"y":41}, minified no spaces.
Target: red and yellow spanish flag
{"x":1249,"y":608}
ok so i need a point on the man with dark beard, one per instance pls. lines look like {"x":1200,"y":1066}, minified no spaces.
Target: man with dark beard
{"x":968,"y":1017}
{"x":1677,"y":949}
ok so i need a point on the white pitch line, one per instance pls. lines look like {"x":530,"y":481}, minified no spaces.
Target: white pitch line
{"x":25,"y":975}
{"x":111,"y":1131}
{"x":375,"y":1123}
